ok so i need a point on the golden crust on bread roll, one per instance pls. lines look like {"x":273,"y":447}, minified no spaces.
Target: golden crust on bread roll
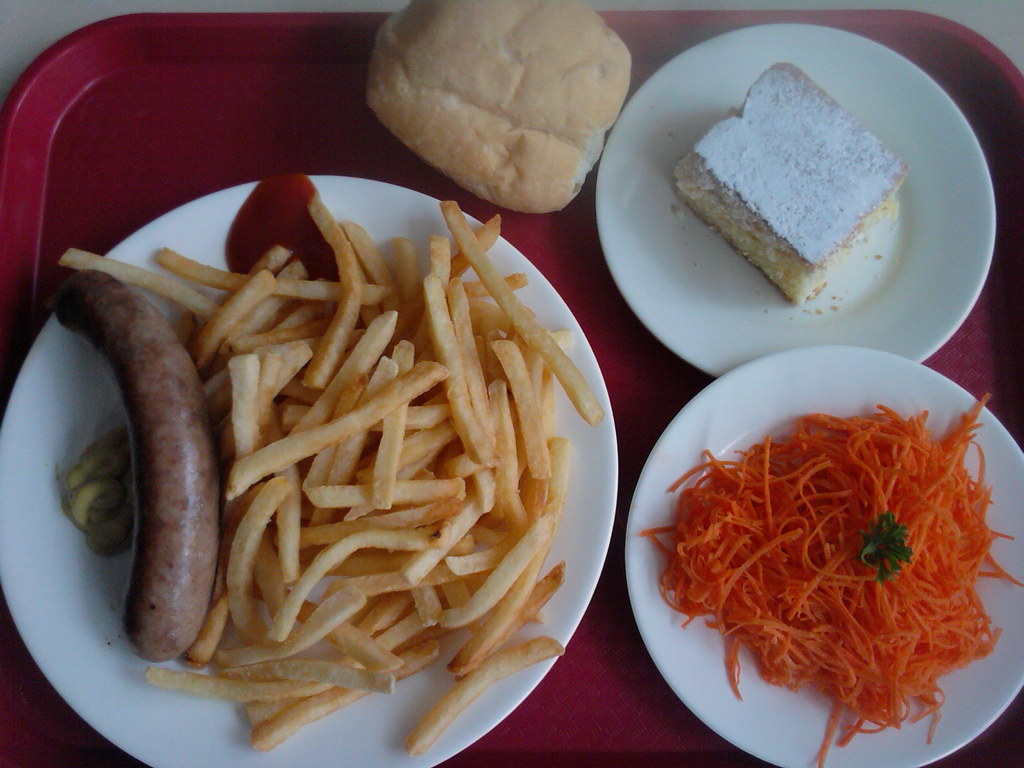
{"x":509,"y":98}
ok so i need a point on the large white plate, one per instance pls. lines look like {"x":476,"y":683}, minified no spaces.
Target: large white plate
{"x":66,"y":602}
{"x":737,"y":410}
{"x":713,"y":309}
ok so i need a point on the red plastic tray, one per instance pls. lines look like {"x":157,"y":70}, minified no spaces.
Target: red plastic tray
{"x":130,"y":117}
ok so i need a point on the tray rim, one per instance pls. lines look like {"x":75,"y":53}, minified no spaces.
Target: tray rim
{"x":12,"y":111}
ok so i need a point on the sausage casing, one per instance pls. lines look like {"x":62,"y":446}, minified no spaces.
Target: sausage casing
{"x":173,"y":457}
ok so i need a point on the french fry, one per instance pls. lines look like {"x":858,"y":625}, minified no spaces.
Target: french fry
{"x":476,"y":562}
{"x":412,"y":517}
{"x":326,"y":464}
{"x":558,"y":489}
{"x":525,"y":397}
{"x":464,"y":546}
{"x":501,"y":624}
{"x":270,"y":732}
{"x":213,"y":687}
{"x":487,"y":235}
{"x":279,"y":335}
{"x":264,"y":315}
{"x":547,"y":401}
{"x":486,"y":536}
{"x":525,"y":598}
{"x":217,"y":390}
{"x":364,"y":355}
{"x":331,"y":612}
{"x":326,"y":290}
{"x":337,"y":465}
{"x":336,"y":337}
{"x":428,"y":604}
{"x":402,"y":631}
{"x":464,"y":692}
{"x":371,"y":260}
{"x":360,"y":646}
{"x":460,"y":466}
{"x":198,"y":273}
{"x":502,"y":577}
{"x":295,"y":447}
{"x":298,"y":392}
{"x":388,"y":609}
{"x":161,"y":285}
{"x":273,"y":260}
{"x":374,"y":584}
{"x":484,"y":485}
{"x":203,"y":274}
{"x":290,"y":413}
{"x":299,"y":312}
{"x":458,"y":526}
{"x":404,"y":492}
{"x":266,"y":575}
{"x":440,"y":255}
{"x":507,"y":501}
{"x":244,"y":371}
{"x":349,"y":273}
{"x":478,"y":444}
{"x":489,"y":320}
{"x":521,"y":605}
{"x":294,"y":355}
{"x":365,"y":563}
{"x":244,"y":544}
{"x":334,"y":341}
{"x":259,"y":711}
{"x":526,"y":325}
{"x":206,"y":642}
{"x":393,"y":476}
{"x":424,"y":444}
{"x":426,"y":416}
{"x":215,"y":332}
{"x":289,"y":526}
{"x":476,"y":290}
{"x":462,"y":324}
{"x":330,"y":558}
{"x":455,"y":592}
{"x":315,"y":671}
{"x":543,"y":591}
{"x":389,"y":454}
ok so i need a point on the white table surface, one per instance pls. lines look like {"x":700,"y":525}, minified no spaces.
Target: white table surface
{"x":28,"y":27}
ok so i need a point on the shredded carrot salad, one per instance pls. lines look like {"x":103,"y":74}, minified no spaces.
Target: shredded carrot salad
{"x":767,"y":546}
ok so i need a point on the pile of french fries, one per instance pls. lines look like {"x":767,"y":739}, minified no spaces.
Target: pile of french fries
{"x":392,"y":475}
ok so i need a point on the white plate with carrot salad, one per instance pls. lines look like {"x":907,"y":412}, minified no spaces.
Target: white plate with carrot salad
{"x":820,"y":517}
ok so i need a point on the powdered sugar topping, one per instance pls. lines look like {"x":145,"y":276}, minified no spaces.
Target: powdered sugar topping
{"x":801,"y":162}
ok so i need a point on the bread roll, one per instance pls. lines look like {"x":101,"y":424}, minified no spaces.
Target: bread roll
{"x":509,"y":98}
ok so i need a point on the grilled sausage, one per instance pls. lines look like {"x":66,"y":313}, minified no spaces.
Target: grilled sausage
{"x":173,"y":456}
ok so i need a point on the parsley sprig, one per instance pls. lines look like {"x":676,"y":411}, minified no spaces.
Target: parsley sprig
{"x":885,"y":546}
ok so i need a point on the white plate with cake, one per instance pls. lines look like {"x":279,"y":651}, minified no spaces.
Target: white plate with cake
{"x":913,"y":262}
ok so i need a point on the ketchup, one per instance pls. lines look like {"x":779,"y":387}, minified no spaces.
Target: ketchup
{"x":277,"y":213}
